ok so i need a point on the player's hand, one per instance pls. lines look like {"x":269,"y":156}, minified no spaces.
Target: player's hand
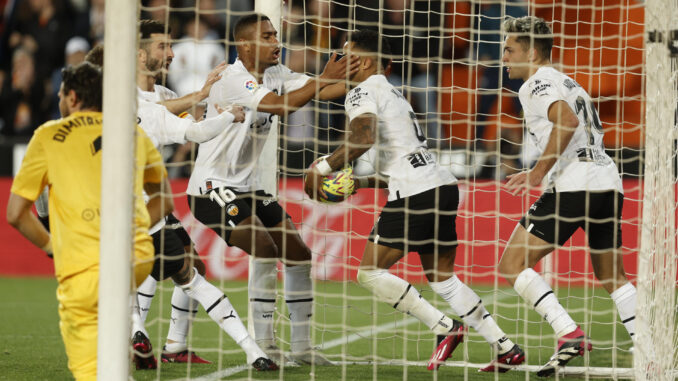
{"x":336,"y":70}
{"x":212,"y":78}
{"x":313,"y":184}
{"x":237,"y":111}
{"x":518,"y":183}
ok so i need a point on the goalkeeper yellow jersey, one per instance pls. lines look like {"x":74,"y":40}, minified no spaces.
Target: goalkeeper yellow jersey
{"x":65,"y":155}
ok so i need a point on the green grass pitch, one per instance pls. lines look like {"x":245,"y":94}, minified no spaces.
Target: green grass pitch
{"x":357,"y":327}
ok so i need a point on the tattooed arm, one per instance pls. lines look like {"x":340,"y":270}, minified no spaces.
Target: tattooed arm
{"x":362,"y":135}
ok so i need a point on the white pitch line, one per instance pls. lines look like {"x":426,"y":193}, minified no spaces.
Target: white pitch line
{"x":348,"y":339}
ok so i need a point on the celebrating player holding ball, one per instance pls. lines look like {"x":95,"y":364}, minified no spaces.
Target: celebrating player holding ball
{"x":420,"y":213}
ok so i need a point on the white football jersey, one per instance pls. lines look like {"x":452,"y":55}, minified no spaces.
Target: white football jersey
{"x":584,"y":165}
{"x":230,"y":158}
{"x":402,"y":154}
{"x":159,"y":125}
{"x":159,"y":94}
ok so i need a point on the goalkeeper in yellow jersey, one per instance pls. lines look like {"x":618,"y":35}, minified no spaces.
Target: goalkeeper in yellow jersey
{"x":61,"y":154}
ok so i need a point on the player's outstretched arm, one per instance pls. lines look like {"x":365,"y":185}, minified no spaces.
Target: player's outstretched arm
{"x":19,"y":215}
{"x":160,"y":204}
{"x":179,"y":105}
{"x":565,"y":122}
{"x":207,"y":129}
{"x":361,"y":137}
{"x":336,"y":71}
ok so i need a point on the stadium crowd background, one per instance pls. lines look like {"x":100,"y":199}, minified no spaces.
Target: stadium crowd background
{"x":451,"y":72}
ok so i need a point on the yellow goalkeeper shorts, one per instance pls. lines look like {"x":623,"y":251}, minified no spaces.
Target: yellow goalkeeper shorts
{"x":78,"y":298}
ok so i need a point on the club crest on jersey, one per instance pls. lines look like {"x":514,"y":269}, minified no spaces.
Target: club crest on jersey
{"x":208,"y":184}
{"x":232,"y":210}
{"x":251,"y":86}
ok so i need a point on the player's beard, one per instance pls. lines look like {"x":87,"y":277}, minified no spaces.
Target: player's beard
{"x":154,"y":67}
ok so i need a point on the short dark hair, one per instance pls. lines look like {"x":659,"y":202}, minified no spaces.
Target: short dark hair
{"x":368,"y":40}
{"x":87,"y":82}
{"x":245,"y":22}
{"x":96,"y":56}
{"x":531,"y":31}
{"x":149,"y":27}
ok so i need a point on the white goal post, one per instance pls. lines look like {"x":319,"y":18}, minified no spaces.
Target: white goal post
{"x":117,"y":190}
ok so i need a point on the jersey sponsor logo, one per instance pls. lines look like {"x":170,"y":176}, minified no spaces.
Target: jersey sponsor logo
{"x":420,"y":159}
{"x":540,"y":88}
{"x":251,"y":86}
{"x":89,"y":214}
{"x":355,"y":96}
{"x":264,"y":120}
{"x":232,"y":210}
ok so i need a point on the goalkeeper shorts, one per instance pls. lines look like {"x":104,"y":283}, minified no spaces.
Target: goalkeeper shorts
{"x":555,"y":216}
{"x":424,"y":223}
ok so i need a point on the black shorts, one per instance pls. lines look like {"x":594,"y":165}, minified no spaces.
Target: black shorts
{"x":169,"y":254}
{"x":246,"y":204}
{"x":173,"y":223}
{"x":557,"y":215}
{"x":425,"y":222}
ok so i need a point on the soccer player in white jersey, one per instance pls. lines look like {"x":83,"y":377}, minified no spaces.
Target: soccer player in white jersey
{"x":584,"y":188}
{"x":421,"y":211}
{"x":224,"y":193}
{"x":171,"y":260}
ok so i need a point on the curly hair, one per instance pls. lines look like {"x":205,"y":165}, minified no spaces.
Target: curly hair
{"x":531,"y":31}
{"x":87,"y":82}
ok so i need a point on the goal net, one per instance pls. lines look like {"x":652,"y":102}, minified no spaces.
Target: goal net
{"x":446,"y":61}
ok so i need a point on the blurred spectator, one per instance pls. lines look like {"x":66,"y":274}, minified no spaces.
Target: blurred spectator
{"x":96,"y":20}
{"x":76,"y":49}
{"x":487,"y":54}
{"x":43,"y":27}
{"x":160,"y":10}
{"x":21,"y":97}
{"x":195,"y":56}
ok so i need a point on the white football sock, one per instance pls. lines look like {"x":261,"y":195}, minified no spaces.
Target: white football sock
{"x":183,"y":313}
{"x":469,"y":307}
{"x":261,"y":289}
{"x":219,"y":308}
{"x":299,"y":299}
{"x":539,"y":295}
{"x":137,"y":323}
{"x":625,"y":299}
{"x":146,"y":291}
{"x":405,"y":298}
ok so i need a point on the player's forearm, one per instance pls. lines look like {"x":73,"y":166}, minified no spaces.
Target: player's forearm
{"x":207,"y":129}
{"x":19,"y":215}
{"x":159,"y":205}
{"x":558,"y":140}
{"x":346,"y":154}
{"x":294,"y":100}
{"x":178,"y":105}
{"x":333,"y":91}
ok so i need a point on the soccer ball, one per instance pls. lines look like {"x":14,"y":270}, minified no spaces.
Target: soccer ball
{"x":338,"y":185}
